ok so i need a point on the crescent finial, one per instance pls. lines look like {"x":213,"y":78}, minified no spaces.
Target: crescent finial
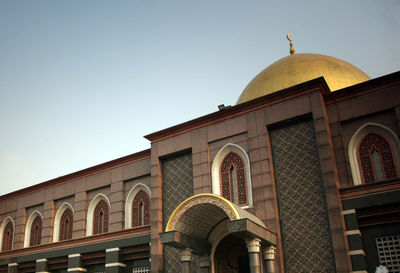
{"x":289,"y":37}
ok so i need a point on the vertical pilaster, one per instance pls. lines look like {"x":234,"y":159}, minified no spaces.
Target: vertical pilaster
{"x":113,"y":261}
{"x":41,"y":266}
{"x":253,"y":247}
{"x":354,"y":238}
{"x":186,"y":258}
{"x":48,"y":213}
{"x":205,"y":263}
{"x":75,"y":263}
{"x":19,"y":227}
{"x":117,"y":201}
{"x":269,"y":259}
{"x":13,"y":268}
{"x":80,"y":208}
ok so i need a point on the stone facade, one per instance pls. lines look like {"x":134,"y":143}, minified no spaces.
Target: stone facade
{"x":302,"y":199}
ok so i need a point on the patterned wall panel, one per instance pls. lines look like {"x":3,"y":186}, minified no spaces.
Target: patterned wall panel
{"x":305,"y":228}
{"x":177,"y":186}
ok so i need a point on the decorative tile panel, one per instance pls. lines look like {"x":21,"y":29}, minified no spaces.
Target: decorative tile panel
{"x":376,"y":159}
{"x":177,"y":186}
{"x":303,"y":215}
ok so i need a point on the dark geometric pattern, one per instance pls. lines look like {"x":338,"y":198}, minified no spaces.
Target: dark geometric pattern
{"x":100,"y":218}
{"x":232,"y":168}
{"x":141,"y":209}
{"x":378,"y":215}
{"x":36,"y":232}
{"x":7,"y":236}
{"x":302,"y":206}
{"x":374,"y":143}
{"x":177,"y":186}
{"x":66,"y":225}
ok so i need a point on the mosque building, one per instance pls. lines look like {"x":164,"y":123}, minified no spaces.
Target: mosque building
{"x":301,"y":175}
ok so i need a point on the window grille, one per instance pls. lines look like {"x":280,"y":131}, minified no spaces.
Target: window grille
{"x":389,"y":252}
{"x":144,"y":269}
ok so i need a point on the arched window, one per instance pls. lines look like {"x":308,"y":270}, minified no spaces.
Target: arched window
{"x":63,"y":223}
{"x":7,"y":234}
{"x":137,"y":206}
{"x":231,"y":175}
{"x":36,"y":231}
{"x":33,"y":229}
{"x":376,"y":159}
{"x":100,"y":218}
{"x":98,"y":215}
{"x":233,"y":179}
{"x":66,"y":225}
{"x":374,"y":154}
{"x":141,"y":209}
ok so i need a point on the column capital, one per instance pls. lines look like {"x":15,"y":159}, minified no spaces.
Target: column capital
{"x":253,"y":245}
{"x":205,"y":261}
{"x":186,"y":255}
{"x":269,"y":252}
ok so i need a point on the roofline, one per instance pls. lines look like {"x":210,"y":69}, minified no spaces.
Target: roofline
{"x":79,"y":174}
{"x":239,"y":109}
{"x":363,"y":88}
{"x":276,"y":97}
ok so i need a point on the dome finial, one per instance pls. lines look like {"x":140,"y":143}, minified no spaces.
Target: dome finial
{"x":289,"y":37}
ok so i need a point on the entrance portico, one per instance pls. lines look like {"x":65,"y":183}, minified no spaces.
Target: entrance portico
{"x":201,"y":222}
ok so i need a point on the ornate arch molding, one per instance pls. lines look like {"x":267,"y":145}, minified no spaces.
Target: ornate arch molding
{"x":57,"y":218}
{"x":129,"y":200}
{"x":89,"y":218}
{"x":359,"y":135}
{"x":192,"y":222}
{"x":7,"y":220}
{"x":28,"y":226}
{"x":216,"y":165}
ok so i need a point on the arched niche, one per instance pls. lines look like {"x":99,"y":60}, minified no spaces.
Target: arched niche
{"x":216,"y":170}
{"x":356,"y":139}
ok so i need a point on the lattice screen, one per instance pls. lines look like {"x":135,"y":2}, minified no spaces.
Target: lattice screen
{"x":389,"y":252}
{"x":144,"y":269}
{"x":302,"y":206}
{"x":177,"y":186}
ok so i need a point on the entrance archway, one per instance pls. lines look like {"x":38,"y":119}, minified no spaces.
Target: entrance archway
{"x":202,"y":221}
{"x":231,"y":256}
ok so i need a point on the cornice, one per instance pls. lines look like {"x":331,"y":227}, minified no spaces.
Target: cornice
{"x":80,"y":174}
{"x":127,"y":233}
{"x":317,"y":84}
{"x":371,"y":188}
{"x":363,"y":88}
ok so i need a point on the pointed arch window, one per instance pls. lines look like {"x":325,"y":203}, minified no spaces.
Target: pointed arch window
{"x":100,"y":218}
{"x":36,"y":232}
{"x":8,"y":234}
{"x":66,"y":221}
{"x":141,"y":209}
{"x":376,"y":159}
{"x":233,"y":179}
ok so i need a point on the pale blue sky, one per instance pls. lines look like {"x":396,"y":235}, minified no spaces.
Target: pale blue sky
{"x":81,"y":82}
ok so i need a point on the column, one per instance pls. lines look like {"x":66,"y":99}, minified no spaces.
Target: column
{"x":13,"y":268}
{"x":41,"y":266}
{"x":205,"y":263}
{"x":75,"y":263}
{"x":269,"y":257}
{"x":113,"y":260}
{"x":253,"y":247}
{"x":186,"y":258}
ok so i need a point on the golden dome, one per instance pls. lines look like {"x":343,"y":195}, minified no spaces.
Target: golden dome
{"x":298,"y":68}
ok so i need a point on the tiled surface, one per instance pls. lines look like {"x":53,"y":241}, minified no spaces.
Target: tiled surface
{"x":302,"y":206}
{"x":177,"y":185}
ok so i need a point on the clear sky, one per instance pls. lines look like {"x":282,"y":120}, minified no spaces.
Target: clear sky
{"x":81,"y":82}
